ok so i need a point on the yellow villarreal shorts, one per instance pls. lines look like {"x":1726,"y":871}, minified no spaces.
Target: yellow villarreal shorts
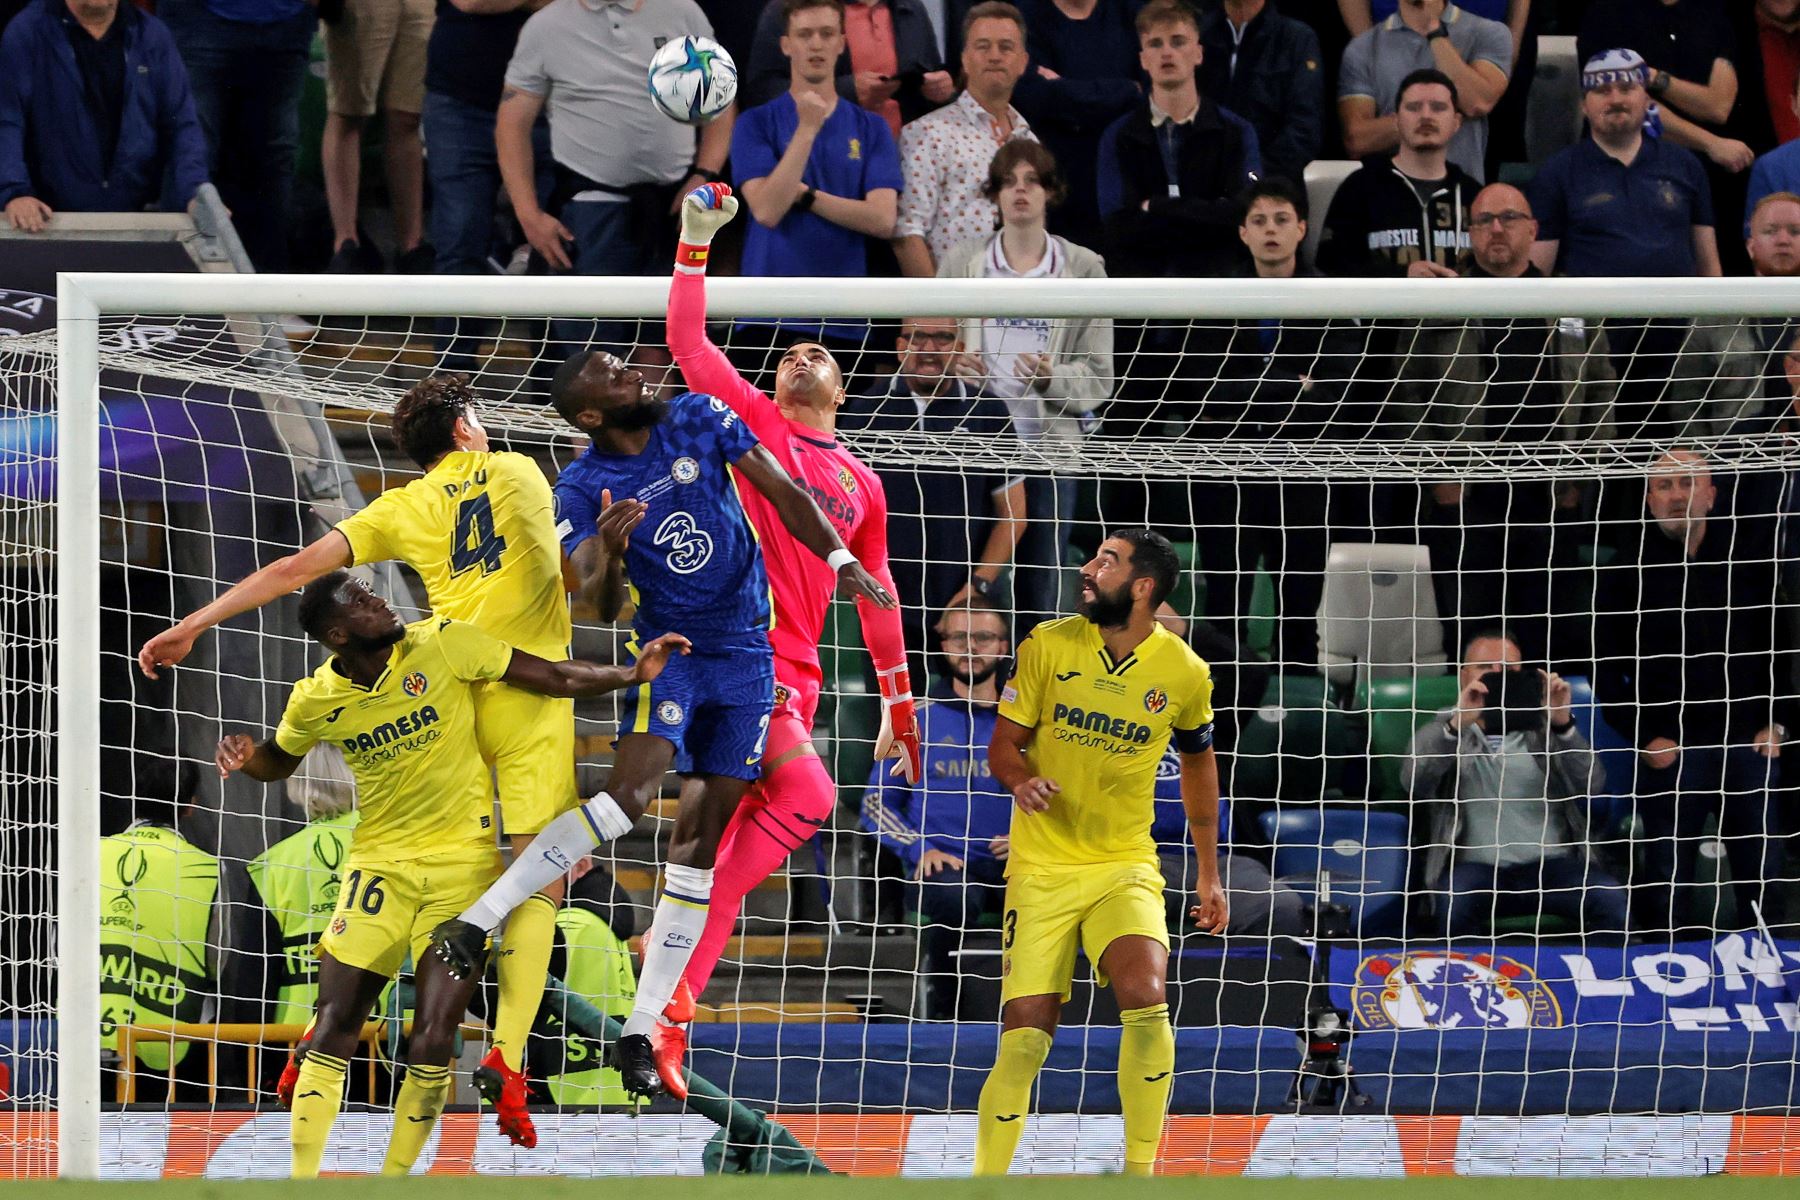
{"x":1050,"y":913}
{"x":386,"y":908}
{"x":529,"y":740}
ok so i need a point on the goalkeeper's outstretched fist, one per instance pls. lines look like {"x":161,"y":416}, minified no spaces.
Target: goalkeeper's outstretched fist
{"x":704,"y":211}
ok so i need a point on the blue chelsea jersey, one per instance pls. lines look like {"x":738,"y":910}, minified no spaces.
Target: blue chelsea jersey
{"x":693,"y":562}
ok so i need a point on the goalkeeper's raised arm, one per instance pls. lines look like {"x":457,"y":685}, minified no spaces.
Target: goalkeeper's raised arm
{"x":704,"y":367}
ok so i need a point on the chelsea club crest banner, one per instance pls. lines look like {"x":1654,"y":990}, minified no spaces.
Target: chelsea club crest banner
{"x":1743,"y":982}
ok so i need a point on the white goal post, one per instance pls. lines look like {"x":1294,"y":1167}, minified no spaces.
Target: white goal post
{"x":85,"y":301}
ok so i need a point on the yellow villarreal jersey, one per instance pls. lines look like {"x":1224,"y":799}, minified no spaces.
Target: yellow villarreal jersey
{"x":1099,"y":729}
{"x":480,"y":530}
{"x":409,"y":739}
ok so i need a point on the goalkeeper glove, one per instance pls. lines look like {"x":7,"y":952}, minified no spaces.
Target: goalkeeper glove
{"x":704,"y":211}
{"x":899,"y":736}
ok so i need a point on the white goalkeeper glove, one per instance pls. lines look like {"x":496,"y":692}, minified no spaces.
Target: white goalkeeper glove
{"x":704,"y":211}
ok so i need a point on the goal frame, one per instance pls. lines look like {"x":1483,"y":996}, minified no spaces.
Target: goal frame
{"x":84,"y":299}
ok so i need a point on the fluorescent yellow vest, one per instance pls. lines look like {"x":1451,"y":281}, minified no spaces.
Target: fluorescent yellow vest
{"x":298,"y":879}
{"x":599,"y":969}
{"x":156,"y":902}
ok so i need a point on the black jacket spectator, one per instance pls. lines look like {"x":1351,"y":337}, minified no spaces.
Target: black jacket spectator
{"x":1149,"y":232}
{"x":1379,"y":224}
{"x":1274,"y":79}
{"x":1687,"y":647}
{"x":1095,"y":62}
{"x":915,"y":47}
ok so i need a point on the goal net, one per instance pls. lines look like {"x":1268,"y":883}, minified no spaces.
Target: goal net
{"x":1498,"y":588}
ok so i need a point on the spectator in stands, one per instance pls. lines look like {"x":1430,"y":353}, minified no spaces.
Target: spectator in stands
{"x":1471,"y":52}
{"x":1052,"y":375}
{"x":1083,"y":74}
{"x":246,"y":61}
{"x":1523,"y":379}
{"x":1412,"y":206}
{"x":1507,"y":789}
{"x":1485,"y":380}
{"x":375,"y":62}
{"x":944,"y":156}
{"x":296,"y":882}
{"x":1686,"y":46}
{"x":1266,"y":67}
{"x":820,"y":175}
{"x":1170,"y":171}
{"x":621,"y":166}
{"x":1776,"y":171}
{"x":1774,"y":235}
{"x":465,"y":70}
{"x":1699,"y":687}
{"x":888,"y":60}
{"x":950,"y":829}
{"x":1506,"y":123}
{"x":161,"y":911}
{"x":1277,"y":379}
{"x":1619,"y":202}
{"x":1778,"y":48}
{"x":95,"y":114}
{"x":950,"y":533}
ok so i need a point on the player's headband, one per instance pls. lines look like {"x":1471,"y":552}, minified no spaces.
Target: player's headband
{"x":1613,"y":66}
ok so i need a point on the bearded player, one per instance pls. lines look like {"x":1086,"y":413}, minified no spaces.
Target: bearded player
{"x":1084,"y":721}
{"x":795,"y":794}
{"x":478,"y":528}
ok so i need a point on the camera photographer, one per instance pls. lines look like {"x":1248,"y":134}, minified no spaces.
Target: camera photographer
{"x":1504,"y":777}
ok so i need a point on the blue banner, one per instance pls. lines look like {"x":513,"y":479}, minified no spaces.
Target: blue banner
{"x":1741,"y":982}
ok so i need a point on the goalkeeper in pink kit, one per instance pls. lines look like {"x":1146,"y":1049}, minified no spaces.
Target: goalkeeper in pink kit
{"x":795,"y":795}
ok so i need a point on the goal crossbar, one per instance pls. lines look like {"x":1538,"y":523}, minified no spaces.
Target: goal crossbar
{"x":85,"y":299}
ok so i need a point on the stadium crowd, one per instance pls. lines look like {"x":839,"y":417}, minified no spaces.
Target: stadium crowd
{"x":1083,"y":138}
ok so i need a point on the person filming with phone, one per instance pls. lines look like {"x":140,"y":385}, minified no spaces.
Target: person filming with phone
{"x":1503,"y":779}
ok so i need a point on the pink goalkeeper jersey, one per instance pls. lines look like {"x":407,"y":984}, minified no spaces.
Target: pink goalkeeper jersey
{"x":845,"y":489}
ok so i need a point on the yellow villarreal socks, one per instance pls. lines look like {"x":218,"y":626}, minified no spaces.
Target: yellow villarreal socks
{"x":522,"y":964}
{"x":1146,"y":1075}
{"x":1006,"y":1098}
{"x":317,"y":1097}
{"x":416,"y":1111}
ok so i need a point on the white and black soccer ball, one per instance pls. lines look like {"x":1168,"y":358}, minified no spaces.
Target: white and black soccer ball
{"x":692,"y":80}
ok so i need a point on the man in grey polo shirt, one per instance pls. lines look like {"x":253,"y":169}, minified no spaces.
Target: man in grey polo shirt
{"x":1474,"y":52}
{"x":621,"y":166}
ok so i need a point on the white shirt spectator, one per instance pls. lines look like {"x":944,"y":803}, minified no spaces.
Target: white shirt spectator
{"x":944,"y":157}
{"x":1003,"y":339}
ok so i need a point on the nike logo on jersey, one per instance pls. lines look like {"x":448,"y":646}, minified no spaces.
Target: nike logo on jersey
{"x":1155,"y":1078}
{"x":1066,"y":676}
{"x":1008,"y":1118}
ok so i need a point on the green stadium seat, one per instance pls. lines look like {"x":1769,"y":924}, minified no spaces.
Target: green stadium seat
{"x":1396,"y":708}
{"x":1297,"y":747}
{"x":855,"y":722}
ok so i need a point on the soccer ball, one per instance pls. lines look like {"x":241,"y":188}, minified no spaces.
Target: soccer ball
{"x":692,"y":80}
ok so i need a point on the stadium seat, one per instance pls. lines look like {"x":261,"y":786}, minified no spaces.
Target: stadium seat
{"x":1553,"y":112}
{"x":1323,"y":175}
{"x":1617,"y":758}
{"x":1361,"y":853}
{"x":1378,"y":616}
{"x":1297,"y":747}
{"x":1396,"y":708}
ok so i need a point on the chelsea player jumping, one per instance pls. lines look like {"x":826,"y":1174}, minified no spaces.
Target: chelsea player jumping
{"x":694,"y":566}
